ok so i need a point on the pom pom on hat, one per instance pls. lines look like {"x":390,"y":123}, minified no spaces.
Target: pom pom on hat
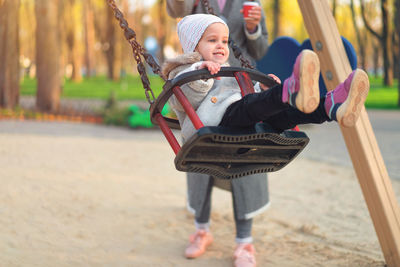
{"x":191,"y":28}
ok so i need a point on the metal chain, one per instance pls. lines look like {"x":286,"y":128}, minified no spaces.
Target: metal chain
{"x":209,"y":9}
{"x":236,"y":50}
{"x":138,"y":51}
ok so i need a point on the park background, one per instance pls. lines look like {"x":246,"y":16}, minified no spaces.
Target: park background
{"x":82,"y":194}
{"x":54,"y":53}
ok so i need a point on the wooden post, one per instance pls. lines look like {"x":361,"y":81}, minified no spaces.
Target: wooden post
{"x":360,"y":139}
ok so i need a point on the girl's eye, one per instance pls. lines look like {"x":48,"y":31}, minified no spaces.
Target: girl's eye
{"x":225,"y":42}
{"x":212,"y":40}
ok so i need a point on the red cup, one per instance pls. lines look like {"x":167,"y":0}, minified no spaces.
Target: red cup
{"x":248,"y":6}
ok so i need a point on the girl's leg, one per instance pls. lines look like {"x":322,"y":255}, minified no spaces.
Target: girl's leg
{"x":253,"y":108}
{"x":300,"y":90}
{"x":342,"y":105}
{"x":291,"y":117}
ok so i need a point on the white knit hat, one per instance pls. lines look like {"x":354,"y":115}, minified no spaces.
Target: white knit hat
{"x":192,"y":27}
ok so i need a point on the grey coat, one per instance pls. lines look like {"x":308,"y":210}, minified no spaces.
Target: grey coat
{"x":253,"y":46}
{"x":250,"y":193}
{"x":210,"y":98}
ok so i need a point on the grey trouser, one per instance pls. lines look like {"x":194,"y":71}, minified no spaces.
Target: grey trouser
{"x":243,"y":227}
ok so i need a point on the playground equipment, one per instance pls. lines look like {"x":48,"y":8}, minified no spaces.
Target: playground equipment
{"x":360,"y":139}
{"x":218,"y":151}
{"x":227,"y":152}
{"x":140,"y":117}
{"x":282,"y":53}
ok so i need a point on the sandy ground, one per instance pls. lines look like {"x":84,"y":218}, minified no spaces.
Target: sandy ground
{"x":89,"y":195}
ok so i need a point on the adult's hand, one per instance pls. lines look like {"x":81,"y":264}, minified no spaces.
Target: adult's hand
{"x":253,"y":19}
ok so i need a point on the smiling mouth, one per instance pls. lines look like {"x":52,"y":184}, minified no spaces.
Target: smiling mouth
{"x":219,"y":54}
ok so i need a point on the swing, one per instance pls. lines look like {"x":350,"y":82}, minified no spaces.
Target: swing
{"x":223,"y":152}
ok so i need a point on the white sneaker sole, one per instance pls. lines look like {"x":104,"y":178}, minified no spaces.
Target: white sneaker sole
{"x":348,"y":113}
{"x":307,"y":99}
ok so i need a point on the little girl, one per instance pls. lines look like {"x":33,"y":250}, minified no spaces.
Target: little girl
{"x":204,"y":39}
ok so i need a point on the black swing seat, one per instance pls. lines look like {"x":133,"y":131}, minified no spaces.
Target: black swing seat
{"x":226,"y":152}
{"x":232,"y":153}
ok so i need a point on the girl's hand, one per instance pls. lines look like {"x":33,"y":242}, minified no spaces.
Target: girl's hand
{"x":212,"y":67}
{"x":264,"y":87}
{"x":253,"y":19}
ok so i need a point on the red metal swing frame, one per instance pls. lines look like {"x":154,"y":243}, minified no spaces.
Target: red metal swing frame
{"x":246,"y":87}
{"x":219,"y":151}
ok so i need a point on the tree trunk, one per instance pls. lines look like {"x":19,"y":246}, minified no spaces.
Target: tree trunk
{"x":62,"y":37}
{"x":89,"y":39}
{"x":360,"y":42}
{"x":113,"y":52}
{"x":387,"y":43}
{"x":74,"y":39}
{"x":385,"y":39}
{"x":397,"y":33}
{"x":375,"y":49}
{"x":277,"y":16}
{"x":396,"y":40}
{"x":47,"y":56}
{"x":161,"y":30}
{"x":398,"y":81}
{"x":395,"y":55}
{"x":334,"y":5}
{"x":9,"y":53}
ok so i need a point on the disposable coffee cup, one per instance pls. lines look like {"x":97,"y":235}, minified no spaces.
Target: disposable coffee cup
{"x":247,"y":6}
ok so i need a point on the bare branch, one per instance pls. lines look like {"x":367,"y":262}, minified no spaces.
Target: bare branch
{"x":366,"y":23}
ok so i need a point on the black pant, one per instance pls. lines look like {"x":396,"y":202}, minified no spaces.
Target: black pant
{"x":268,"y":107}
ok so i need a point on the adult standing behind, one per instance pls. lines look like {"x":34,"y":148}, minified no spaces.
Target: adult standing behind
{"x":249,"y":194}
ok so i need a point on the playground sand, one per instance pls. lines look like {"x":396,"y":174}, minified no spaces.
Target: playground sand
{"x":111,"y":197}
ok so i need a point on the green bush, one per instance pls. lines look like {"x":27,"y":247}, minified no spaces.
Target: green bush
{"x":116,"y":116}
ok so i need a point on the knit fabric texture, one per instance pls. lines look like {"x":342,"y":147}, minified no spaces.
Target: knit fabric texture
{"x":191,"y":29}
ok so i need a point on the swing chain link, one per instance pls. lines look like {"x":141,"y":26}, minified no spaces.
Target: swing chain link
{"x":236,"y":50}
{"x":138,"y":51}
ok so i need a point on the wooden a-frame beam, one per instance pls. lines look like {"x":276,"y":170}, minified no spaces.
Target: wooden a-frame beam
{"x":360,"y":139}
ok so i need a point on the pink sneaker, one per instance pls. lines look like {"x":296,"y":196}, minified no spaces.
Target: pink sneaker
{"x":301,"y":89}
{"x":199,"y":241}
{"x":245,"y":255}
{"x":345,"y":102}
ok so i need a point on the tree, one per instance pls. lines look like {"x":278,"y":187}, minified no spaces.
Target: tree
{"x":9,"y":53}
{"x":385,"y":38}
{"x":89,"y":36}
{"x":397,"y":34}
{"x":47,"y":55}
{"x":113,"y":49}
{"x":334,"y":6}
{"x":161,"y":33}
{"x":27,"y":22}
{"x":73,"y":28}
{"x":396,"y":39}
{"x":277,"y":17}
{"x":361,"y":38}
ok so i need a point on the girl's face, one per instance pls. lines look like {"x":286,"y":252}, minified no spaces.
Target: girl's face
{"x":213,"y":45}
